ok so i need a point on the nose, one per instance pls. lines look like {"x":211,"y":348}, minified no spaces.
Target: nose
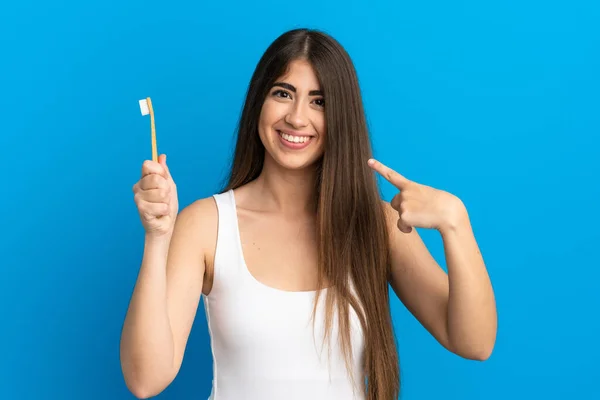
{"x":296,"y":117}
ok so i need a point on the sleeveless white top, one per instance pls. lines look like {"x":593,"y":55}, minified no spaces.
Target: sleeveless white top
{"x":262,"y":338}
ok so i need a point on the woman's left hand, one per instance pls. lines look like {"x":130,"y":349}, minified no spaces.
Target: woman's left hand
{"x":421,"y":206}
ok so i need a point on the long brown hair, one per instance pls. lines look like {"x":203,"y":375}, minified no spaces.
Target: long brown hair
{"x":351,"y":226}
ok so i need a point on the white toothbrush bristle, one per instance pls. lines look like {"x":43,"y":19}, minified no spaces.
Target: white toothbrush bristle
{"x":144,"y":107}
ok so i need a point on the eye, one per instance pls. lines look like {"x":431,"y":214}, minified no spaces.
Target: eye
{"x":281,"y":93}
{"x":320,"y":102}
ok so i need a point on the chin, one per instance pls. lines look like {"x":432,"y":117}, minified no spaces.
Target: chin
{"x":295,"y":163}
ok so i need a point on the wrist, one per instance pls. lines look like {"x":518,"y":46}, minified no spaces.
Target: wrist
{"x":456,"y":217}
{"x":157,"y":239}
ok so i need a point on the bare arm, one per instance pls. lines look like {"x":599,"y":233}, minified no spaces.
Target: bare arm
{"x":164,"y":302}
{"x":457,"y":308}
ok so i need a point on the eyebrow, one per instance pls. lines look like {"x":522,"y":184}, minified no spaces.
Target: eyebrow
{"x":293,"y":89}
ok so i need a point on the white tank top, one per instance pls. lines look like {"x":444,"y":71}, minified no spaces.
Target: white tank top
{"x":262,"y":338}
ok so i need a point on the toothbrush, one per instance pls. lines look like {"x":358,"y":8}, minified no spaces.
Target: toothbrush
{"x":146,"y":108}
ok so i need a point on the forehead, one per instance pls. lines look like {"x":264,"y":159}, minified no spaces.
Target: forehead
{"x":301,"y":74}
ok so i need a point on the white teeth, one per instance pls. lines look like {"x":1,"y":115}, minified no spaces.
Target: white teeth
{"x":294,"y":139}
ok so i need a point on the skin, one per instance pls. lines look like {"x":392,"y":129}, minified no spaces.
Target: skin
{"x":457,"y":308}
{"x":275,"y":209}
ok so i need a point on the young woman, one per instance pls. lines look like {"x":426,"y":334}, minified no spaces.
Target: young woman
{"x":294,"y":257}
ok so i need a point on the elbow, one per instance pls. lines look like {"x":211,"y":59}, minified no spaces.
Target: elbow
{"x":142,"y":390}
{"x":145,"y":377}
{"x":474,"y":351}
{"x":472,"y":345}
{"x":141,"y":393}
{"x":480,"y":353}
{"x":144,"y":385}
{"x":485,"y":349}
{"x":474,"y":354}
{"x":138,"y":387}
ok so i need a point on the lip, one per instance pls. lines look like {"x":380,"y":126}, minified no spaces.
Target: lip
{"x":294,"y":133}
{"x":294,"y":146}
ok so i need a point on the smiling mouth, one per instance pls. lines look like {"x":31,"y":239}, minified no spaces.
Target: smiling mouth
{"x":294,"y":139}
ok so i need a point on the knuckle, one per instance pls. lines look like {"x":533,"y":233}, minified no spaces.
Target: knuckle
{"x":153,"y":211}
{"x":164,"y":209}
{"x":146,"y":167}
{"x":144,"y":207}
{"x":155,"y":180}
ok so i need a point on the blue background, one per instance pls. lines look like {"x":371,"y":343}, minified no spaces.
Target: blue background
{"x":497,"y":102}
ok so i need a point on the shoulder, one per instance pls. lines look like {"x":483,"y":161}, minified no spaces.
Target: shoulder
{"x":198,"y":222}
{"x":391,"y":217}
{"x":199,"y":211}
{"x":387,"y":208}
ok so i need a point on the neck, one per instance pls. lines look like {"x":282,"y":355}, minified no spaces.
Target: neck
{"x":287,"y":191}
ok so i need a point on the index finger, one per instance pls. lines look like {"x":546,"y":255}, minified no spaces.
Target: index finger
{"x":389,"y":174}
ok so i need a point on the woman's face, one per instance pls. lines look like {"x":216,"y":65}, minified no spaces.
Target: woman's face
{"x":292,"y":120}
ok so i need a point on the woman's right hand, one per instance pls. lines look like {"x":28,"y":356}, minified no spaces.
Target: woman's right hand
{"x":155,"y":196}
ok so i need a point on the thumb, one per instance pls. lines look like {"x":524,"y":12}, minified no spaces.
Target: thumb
{"x":162,"y":160}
